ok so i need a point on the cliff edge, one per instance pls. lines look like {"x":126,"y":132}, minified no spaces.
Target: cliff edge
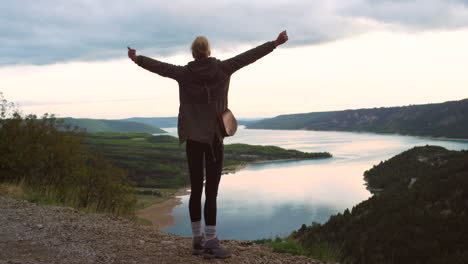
{"x":32,"y":233}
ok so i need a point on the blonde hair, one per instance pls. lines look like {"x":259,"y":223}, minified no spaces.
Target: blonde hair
{"x":201,"y":47}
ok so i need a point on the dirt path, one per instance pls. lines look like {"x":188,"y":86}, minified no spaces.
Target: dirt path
{"x":31,"y":233}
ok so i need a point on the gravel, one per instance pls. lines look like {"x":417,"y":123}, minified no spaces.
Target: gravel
{"x":33,"y":234}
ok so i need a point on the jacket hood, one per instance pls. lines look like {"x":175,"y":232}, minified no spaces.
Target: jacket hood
{"x":204,"y":69}
{"x":206,"y":82}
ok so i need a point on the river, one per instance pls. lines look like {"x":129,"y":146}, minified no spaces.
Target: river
{"x":271,"y":199}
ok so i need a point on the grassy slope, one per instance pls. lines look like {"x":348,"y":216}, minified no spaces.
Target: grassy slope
{"x":159,"y":161}
{"x":449,"y":119}
{"x":101,"y":125}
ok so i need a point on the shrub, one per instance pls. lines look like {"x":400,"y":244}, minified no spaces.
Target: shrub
{"x":47,"y":157}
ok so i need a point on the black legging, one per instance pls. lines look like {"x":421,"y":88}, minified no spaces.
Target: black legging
{"x":199,"y":154}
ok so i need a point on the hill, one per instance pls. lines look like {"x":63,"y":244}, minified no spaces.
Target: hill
{"x":419,"y":216}
{"x":154,"y":121}
{"x":104,"y":125}
{"x":172,"y":121}
{"x":449,"y":119}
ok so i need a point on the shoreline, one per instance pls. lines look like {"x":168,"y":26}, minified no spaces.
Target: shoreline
{"x":363,"y":131}
{"x":159,"y":213}
{"x":236,"y":168}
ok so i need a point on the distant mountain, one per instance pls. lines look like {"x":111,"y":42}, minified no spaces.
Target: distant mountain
{"x":172,"y":121}
{"x":104,"y":125}
{"x":247,"y":121}
{"x":419,"y":216}
{"x":155,"y":121}
{"x":449,"y":119}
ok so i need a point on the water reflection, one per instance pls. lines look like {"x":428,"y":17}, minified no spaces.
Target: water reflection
{"x":283,"y":183}
{"x":269,"y":199}
{"x":246,"y":221}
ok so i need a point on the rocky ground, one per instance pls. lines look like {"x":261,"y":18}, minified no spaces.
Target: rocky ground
{"x":31,"y":233}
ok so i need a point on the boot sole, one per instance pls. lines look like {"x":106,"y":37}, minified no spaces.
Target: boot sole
{"x":211,"y":256}
{"x":197,"y":252}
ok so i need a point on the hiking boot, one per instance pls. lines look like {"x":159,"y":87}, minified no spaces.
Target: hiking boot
{"x":213,"y":249}
{"x":198,"y":245}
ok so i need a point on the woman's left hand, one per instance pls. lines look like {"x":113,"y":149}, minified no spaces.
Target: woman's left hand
{"x":281,"y":39}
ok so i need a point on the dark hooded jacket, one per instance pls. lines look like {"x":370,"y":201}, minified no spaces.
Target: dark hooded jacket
{"x":203,"y":90}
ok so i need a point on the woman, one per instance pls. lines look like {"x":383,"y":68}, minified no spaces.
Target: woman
{"x":203,"y":95}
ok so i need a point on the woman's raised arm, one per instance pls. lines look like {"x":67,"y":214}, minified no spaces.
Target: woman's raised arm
{"x":233,"y":64}
{"x":162,"y":68}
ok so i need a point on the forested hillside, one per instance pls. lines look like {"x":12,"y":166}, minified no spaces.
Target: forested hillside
{"x":419,"y":216}
{"x":104,"y":125}
{"x":449,"y":119}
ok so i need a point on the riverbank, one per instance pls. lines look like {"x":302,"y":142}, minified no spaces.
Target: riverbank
{"x":158,"y":214}
{"x":236,"y":168}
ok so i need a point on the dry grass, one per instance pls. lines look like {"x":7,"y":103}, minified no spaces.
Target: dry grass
{"x":16,"y":191}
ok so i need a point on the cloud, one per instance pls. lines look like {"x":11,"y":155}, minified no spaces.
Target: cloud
{"x":51,"y":31}
{"x":78,"y":102}
{"x":413,"y":14}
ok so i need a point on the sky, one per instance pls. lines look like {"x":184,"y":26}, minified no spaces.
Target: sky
{"x":70,"y":57}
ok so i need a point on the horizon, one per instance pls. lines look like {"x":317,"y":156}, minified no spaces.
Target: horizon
{"x":268,"y":117}
{"x":340,"y":56}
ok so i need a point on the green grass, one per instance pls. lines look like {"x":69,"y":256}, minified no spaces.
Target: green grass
{"x":290,"y":246}
{"x":145,"y":200}
{"x":325,"y":252}
{"x":320,"y":251}
{"x":99,"y":125}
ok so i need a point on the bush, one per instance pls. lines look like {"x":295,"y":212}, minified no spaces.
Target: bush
{"x":47,"y":157}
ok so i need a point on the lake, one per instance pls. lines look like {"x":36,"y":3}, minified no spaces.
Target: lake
{"x":272,"y":199}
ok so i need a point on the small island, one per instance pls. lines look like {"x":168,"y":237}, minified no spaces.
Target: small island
{"x":159,"y":161}
{"x":238,"y":156}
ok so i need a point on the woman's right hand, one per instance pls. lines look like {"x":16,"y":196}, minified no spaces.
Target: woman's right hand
{"x":132,"y":54}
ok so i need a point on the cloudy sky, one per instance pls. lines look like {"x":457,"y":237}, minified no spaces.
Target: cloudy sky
{"x":69,"y":57}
